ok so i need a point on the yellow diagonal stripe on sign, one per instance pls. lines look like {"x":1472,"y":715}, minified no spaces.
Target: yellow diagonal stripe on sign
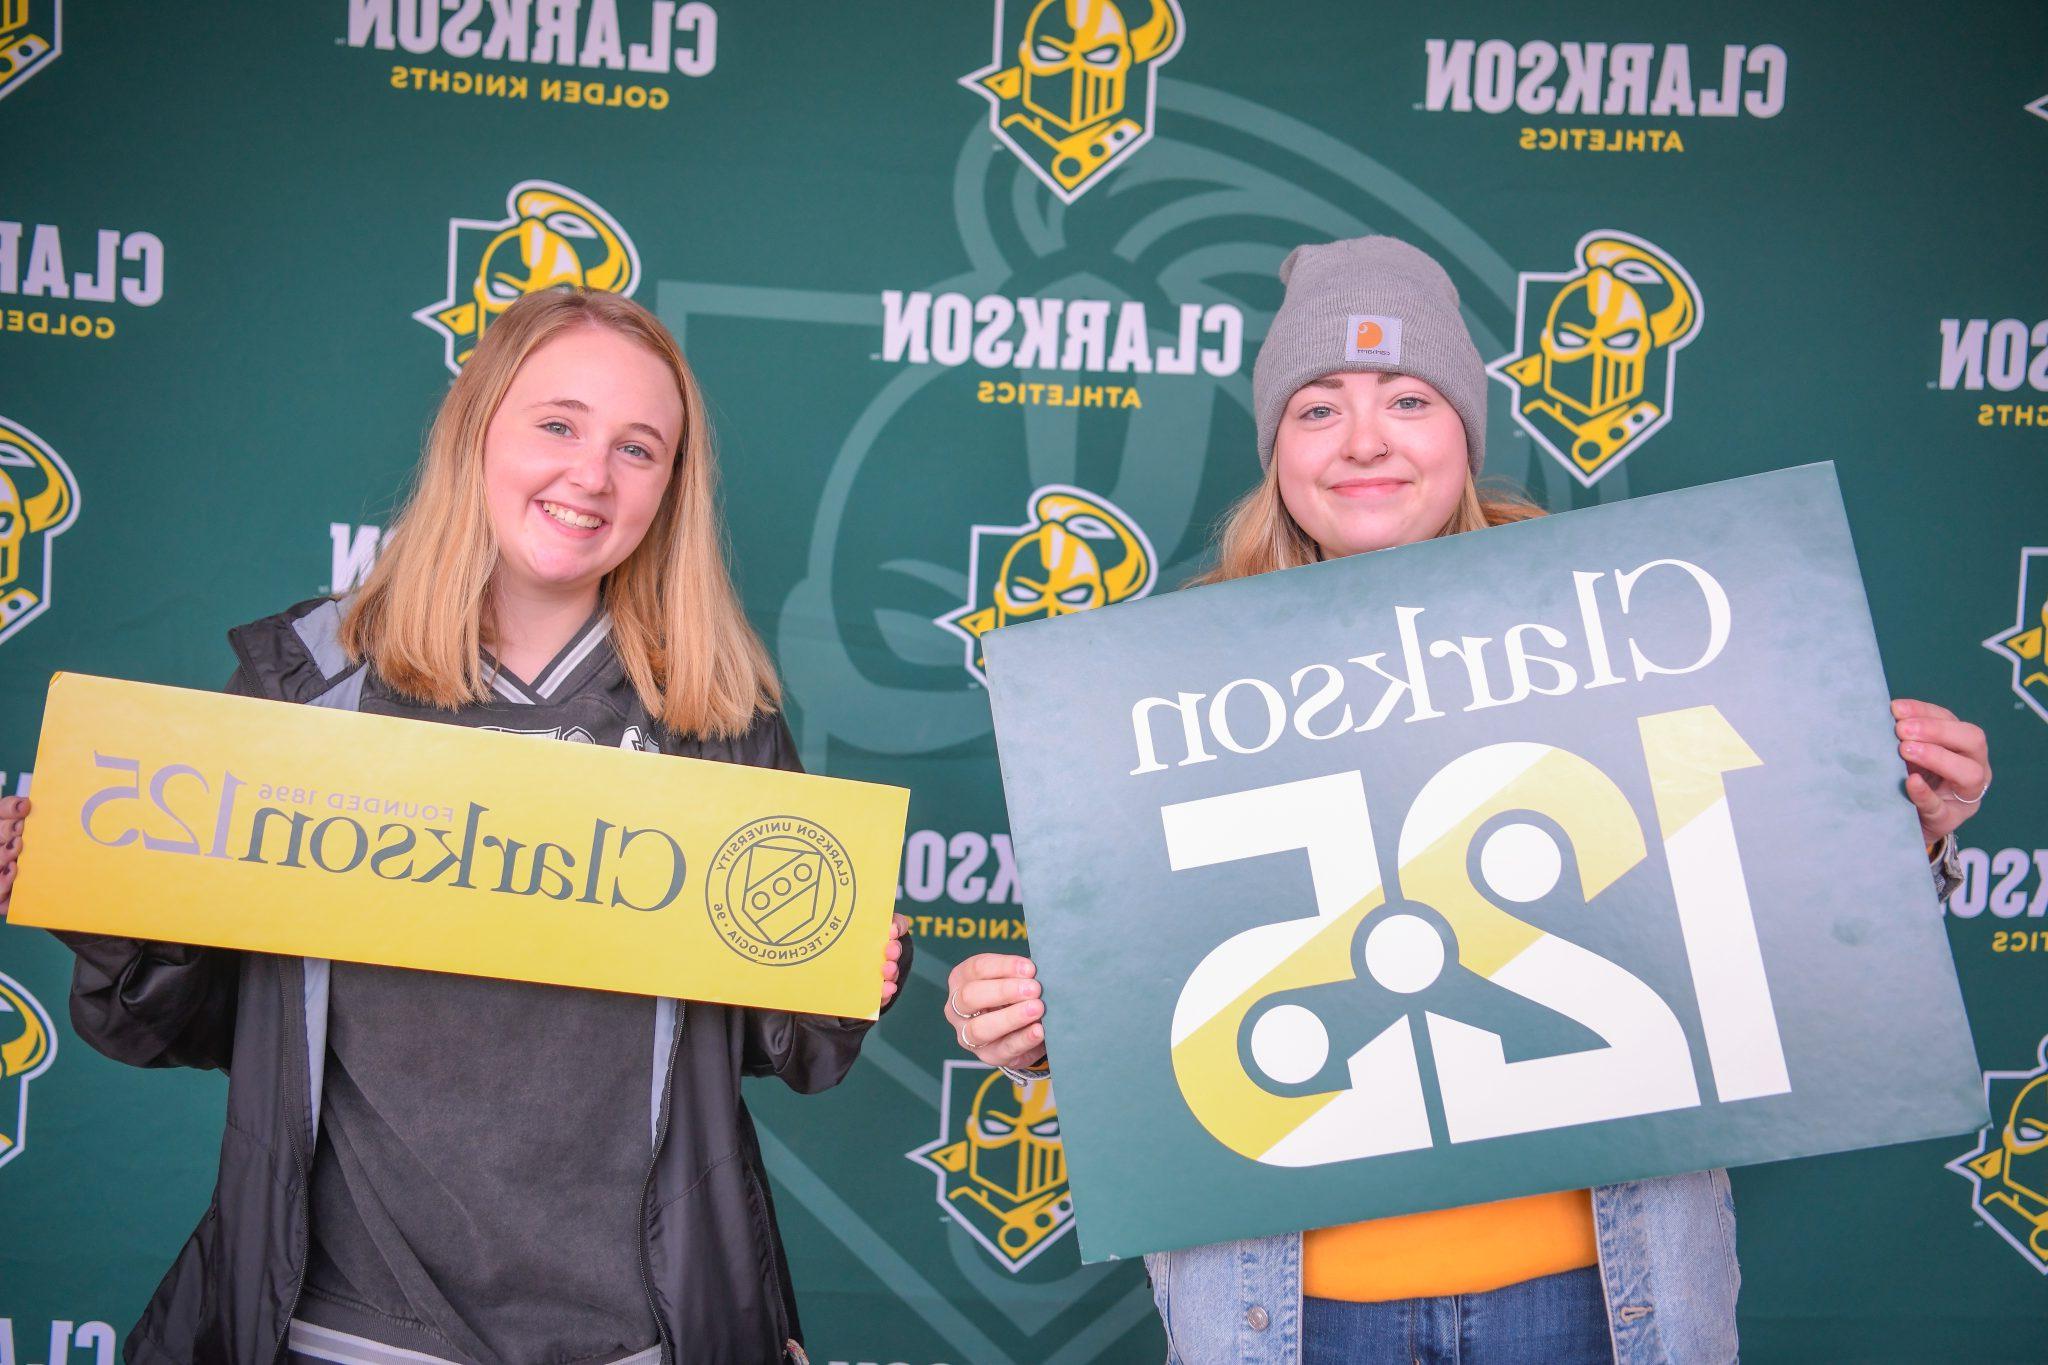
{"x":1240,"y":1113}
{"x":1606,"y":836}
{"x":1687,"y":753}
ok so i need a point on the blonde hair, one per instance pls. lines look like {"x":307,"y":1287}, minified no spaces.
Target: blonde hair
{"x":1258,"y":534}
{"x":676,"y":621}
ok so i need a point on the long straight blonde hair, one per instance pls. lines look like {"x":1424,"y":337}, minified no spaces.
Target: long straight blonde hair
{"x":1258,"y":534}
{"x":422,"y":616}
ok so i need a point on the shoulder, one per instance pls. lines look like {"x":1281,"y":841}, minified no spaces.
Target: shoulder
{"x":764,"y":744}
{"x":295,"y":654}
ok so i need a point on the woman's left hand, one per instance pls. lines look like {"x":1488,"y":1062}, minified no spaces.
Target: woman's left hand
{"x":1948,"y":768}
{"x":892,"y":956}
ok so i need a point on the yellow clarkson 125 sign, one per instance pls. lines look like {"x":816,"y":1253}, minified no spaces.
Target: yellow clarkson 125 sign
{"x":191,"y":817}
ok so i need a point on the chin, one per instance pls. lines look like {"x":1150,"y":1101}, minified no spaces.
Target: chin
{"x":556,"y":574}
{"x":1363,"y":539}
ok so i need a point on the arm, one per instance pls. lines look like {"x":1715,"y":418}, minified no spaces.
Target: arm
{"x":154,"y":1004}
{"x":812,"y":1052}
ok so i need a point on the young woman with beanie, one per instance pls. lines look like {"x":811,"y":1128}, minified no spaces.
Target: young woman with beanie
{"x":426,"y":1167}
{"x":1371,"y":436}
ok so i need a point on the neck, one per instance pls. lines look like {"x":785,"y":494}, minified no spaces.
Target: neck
{"x":529,"y":627}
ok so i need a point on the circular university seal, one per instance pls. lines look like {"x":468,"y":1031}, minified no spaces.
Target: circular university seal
{"x":780,"y":890}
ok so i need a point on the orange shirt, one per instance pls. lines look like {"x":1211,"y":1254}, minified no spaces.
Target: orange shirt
{"x":1470,"y":1250}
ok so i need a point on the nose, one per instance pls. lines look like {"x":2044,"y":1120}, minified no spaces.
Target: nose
{"x":591,"y":469}
{"x":1364,"y":439}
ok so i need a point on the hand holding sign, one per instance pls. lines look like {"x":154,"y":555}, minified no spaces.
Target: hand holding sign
{"x":1947,"y":760}
{"x":892,"y":956}
{"x":13,"y":814}
{"x":993,"y":1007}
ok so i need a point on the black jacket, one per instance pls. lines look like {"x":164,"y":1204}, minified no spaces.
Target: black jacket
{"x":713,"y":1262}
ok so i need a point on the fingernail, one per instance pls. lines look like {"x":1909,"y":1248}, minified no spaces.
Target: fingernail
{"x":1036,"y":1033}
{"x":1909,"y":749}
{"x":1030,"y":989}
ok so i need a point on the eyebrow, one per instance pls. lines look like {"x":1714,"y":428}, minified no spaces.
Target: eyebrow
{"x":578,"y":405}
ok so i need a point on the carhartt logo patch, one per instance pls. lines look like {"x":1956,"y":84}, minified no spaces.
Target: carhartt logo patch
{"x":1372,"y":338}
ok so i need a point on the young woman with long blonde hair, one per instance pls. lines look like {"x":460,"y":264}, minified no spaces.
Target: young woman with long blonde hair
{"x":1362,"y":452}
{"x":428,"y":1167}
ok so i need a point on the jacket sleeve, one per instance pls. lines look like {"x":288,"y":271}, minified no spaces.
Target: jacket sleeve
{"x":810,"y":1052}
{"x":157,"y":1004}
{"x":154,"y":1004}
{"x":1948,"y":867}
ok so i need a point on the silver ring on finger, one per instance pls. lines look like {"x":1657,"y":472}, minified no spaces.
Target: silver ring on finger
{"x":1968,"y":800}
{"x":958,"y":1013}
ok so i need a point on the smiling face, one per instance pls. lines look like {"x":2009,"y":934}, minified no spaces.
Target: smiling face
{"x":1367,"y":461}
{"x":576,"y":460}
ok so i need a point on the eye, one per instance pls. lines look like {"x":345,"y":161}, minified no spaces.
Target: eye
{"x":1315,"y":412}
{"x":1566,"y":341}
{"x":1410,"y":402}
{"x":1050,"y":1128}
{"x":6,"y":522}
{"x":1106,"y":55}
{"x":996,"y":1129}
{"x":1046,"y":52}
{"x":556,"y":426}
{"x":638,"y":452}
{"x":1022,"y":595}
{"x":1625,"y":341}
{"x":1075,"y":596}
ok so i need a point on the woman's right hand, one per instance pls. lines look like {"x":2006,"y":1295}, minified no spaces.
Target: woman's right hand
{"x":12,"y":811}
{"x":994,"y":1007}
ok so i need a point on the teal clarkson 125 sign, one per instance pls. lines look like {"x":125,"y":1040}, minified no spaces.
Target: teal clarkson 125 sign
{"x":1564,"y":854}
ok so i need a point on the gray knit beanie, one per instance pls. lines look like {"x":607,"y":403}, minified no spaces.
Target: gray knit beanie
{"x":1369,"y":303}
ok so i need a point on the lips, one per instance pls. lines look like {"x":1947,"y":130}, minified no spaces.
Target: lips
{"x":1368,"y":488}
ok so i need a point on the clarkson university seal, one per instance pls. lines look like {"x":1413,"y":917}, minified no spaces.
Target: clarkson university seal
{"x":780,"y":890}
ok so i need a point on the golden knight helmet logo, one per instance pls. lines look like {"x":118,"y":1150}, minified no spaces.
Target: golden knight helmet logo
{"x":550,"y":235}
{"x":28,"y":1044}
{"x":1595,"y":379}
{"x":31,"y":37}
{"x":2009,"y":1168}
{"x":1078,"y":551}
{"x":1002,"y":1171}
{"x":1061,"y":87}
{"x":2025,"y":646}
{"x":38,"y":503}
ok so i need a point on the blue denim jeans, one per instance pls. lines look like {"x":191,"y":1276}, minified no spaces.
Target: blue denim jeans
{"x":1550,"y":1320}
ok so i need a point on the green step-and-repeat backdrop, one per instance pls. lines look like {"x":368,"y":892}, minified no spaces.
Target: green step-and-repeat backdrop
{"x":958,"y":275}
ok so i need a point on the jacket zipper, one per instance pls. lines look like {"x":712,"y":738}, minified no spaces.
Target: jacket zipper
{"x":773,"y":1242}
{"x":305,"y":1176}
{"x":675,"y":1048}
